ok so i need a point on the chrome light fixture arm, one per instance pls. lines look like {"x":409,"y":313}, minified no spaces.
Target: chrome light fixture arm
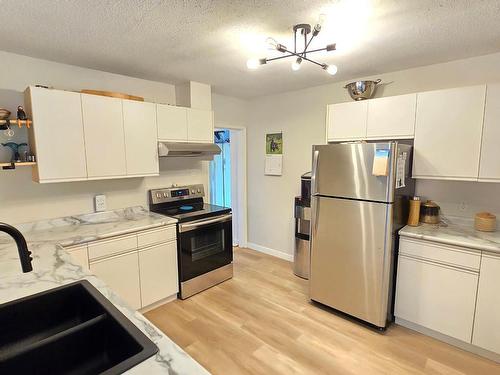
{"x":304,"y":29}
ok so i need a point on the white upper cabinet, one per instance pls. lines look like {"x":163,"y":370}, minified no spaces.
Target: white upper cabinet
{"x":139,"y":123}
{"x":487,"y":319}
{"x":489,"y":167}
{"x":172,"y":123}
{"x":448,"y":133}
{"x":180,"y":124}
{"x":57,"y":134}
{"x":392,"y":117}
{"x":200,"y":125}
{"x":104,"y":137}
{"x":347,"y":121}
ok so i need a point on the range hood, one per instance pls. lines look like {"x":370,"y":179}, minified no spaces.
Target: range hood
{"x":203,"y":151}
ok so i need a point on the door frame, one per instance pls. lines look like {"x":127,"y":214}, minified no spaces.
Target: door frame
{"x":241,"y":181}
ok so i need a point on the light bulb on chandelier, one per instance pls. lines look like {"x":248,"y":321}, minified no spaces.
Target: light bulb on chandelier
{"x":296,"y":64}
{"x":330,"y":69}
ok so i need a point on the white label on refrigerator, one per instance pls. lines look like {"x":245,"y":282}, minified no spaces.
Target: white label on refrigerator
{"x":400,"y":170}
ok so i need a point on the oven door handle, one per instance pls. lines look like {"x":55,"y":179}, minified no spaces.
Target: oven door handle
{"x":185,"y":227}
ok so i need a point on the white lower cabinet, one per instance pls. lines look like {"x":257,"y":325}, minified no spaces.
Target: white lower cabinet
{"x":487,"y":321}
{"x":140,"y":267}
{"x":437,"y":297}
{"x":121,"y":273}
{"x":158,"y":270}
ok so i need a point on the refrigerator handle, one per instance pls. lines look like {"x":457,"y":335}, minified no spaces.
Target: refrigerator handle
{"x":314,"y":213}
{"x":314,"y":171}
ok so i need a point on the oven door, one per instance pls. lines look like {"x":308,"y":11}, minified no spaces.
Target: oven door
{"x":204,"y":245}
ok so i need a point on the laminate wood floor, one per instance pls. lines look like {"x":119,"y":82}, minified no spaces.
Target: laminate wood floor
{"x":262,"y":322}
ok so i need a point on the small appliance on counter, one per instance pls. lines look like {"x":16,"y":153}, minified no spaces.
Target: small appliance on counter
{"x":204,"y":237}
{"x":429,"y":213}
{"x":302,"y":209}
{"x":414,"y":215}
{"x":485,"y":222}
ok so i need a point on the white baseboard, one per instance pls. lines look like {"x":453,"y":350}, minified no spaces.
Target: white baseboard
{"x":268,"y":251}
{"x":163,"y":301}
{"x":449,"y":340}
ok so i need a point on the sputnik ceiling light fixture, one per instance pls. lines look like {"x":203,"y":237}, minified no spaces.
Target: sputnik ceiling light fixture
{"x":304,"y":29}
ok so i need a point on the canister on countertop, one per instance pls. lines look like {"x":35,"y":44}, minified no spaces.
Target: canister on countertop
{"x":414,"y":215}
{"x":429,"y":213}
{"x":485,"y":222}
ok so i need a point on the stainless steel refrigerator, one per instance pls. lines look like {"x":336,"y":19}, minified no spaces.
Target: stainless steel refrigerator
{"x":360,"y":199}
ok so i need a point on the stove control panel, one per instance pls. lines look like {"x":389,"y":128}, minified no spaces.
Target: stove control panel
{"x":176,"y":193}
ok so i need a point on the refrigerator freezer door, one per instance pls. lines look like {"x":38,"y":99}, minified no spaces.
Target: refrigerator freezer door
{"x":351,"y":257}
{"x":346,"y":170}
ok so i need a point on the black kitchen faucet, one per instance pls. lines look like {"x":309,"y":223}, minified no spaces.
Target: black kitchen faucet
{"x":22,"y":247}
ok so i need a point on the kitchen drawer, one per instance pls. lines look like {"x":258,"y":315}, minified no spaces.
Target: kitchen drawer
{"x":444,"y":254}
{"x":155,"y":236}
{"x":113,"y":246}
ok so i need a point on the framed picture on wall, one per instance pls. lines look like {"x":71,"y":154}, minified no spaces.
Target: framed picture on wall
{"x":274,"y":154}
{"x":274,"y":144}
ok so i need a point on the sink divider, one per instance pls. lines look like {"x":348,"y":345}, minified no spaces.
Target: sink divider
{"x":48,"y":340}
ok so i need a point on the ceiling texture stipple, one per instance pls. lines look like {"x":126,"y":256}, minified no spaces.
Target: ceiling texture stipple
{"x":211,"y":40}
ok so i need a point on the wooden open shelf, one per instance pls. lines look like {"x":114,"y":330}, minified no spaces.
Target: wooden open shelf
{"x":19,"y":123}
{"x":6,"y":166}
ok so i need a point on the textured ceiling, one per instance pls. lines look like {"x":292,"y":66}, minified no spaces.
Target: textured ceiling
{"x":210,"y":40}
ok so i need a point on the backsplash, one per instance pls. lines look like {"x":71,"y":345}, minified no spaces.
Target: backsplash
{"x":461,"y":198}
{"x":22,"y":200}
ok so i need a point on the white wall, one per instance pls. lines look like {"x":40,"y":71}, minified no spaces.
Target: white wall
{"x":301,"y":117}
{"x":23,"y":200}
{"x":230,"y":111}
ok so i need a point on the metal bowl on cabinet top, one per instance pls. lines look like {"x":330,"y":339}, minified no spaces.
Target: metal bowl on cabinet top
{"x":361,"y":90}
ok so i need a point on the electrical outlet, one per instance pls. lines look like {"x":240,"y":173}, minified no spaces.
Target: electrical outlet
{"x":100,"y":203}
{"x":463,"y":206}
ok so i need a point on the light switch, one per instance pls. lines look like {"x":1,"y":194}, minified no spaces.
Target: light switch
{"x":100,"y":203}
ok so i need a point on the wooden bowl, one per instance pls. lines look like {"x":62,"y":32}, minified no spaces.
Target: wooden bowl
{"x":113,"y":94}
{"x":485,"y":222}
{"x":4,"y":114}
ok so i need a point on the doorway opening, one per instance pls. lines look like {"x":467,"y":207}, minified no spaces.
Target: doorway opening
{"x":228,"y":178}
{"x":220,"y":170}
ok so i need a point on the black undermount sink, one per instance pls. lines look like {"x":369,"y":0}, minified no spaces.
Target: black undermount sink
{"x":72,"y":329}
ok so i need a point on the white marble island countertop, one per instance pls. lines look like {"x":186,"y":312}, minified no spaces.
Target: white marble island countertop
{"x":52,"y":267}
{"x":455,"y":231}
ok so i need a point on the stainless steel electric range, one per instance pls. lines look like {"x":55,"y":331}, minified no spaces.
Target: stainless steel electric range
{"x":204,"y":236}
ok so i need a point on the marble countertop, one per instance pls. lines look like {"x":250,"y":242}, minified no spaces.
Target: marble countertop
{"x":455,"y":231}
{"x":52,"y":267}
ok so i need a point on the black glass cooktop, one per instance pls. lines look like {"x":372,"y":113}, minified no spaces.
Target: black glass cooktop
{"x":189,"y":210}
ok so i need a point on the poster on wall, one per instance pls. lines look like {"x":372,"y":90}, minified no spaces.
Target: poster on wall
{"x":274,"y":154}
